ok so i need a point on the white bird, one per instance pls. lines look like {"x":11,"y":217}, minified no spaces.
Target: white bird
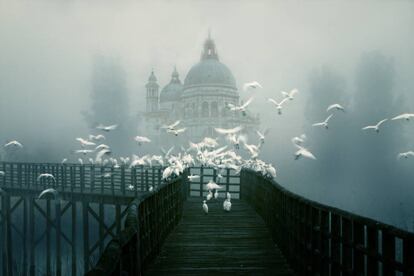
{"x":131,"y":187}
{"x":253,"y":85}
{"x":278,"y":105}
{"x":172,"y":126}
{"x":46,"y":176}
{"x":216,"y":194}
{"x":151,"y":189}
{"x":289,"y":95}
{"x":375,"y":127}
{"x":304,"y":152}
{"x":209,"y":195}
{"x":406,"y":154}
{"x":212,"y":186}
{"x":241,"y":108}
{"x":193,"y":177}
{"x":227,"y":205}
{"x":262,"y":135}
{"x":101,"y":154}
{"x":13,"y":143}
{"x":297,"y":141}
{"x":405,"y":116}
{"x":228,"y":196}
{"x":176,"y":131}
{"x":324,"y":123}
{"x":336,"y":107}
{"x":205,"y":207}
{"x":49,"y":191}
{"x":101,"y":147}
{"x":84,"y":151}
{"x":106,"y":128}
{"x":64,"y":160}
{"x":2,"y":173}
{"x":96,"y":137}
{"x":228,"y":131}
{"x":85,"y":143}
{"x":80,"y":161}
{"x":141,"y":139}
{"x":168,"y":152}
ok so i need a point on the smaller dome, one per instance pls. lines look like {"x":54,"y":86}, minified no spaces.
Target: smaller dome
{"x":172,"y":91}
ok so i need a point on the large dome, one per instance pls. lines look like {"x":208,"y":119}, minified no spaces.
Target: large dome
{"x":172,"y":91}
{"x":210,"y":72}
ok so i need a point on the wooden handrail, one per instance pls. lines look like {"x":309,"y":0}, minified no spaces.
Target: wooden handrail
{"x":319,"y":239}
{"x":148,"y":222}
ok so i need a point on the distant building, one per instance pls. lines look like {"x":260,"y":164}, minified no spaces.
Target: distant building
{"x":200,"y":103}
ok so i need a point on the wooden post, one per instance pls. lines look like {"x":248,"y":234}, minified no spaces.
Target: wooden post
{"x":372,"y":244}
{"x":24,"y":269}
{"x":101,"y":227}
{"x":48,"y":237}
{"x":74,"y":238}
{"x":85,"y":218}
{"x":359,"y":243}
{"x":201,"y":181}
{"x":388,"y":252}
{"x":408,"y":255}
{"x":58,"y":237}
{"x":32,"y":266}
{"x":123,"y":179}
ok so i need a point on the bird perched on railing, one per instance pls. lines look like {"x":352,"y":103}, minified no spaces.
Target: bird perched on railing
{"x":205,"y":207}
{"x":227,"y":205}
{"x":209,"y":195}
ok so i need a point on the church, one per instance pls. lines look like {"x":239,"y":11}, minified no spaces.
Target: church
{"x":200,"y":103}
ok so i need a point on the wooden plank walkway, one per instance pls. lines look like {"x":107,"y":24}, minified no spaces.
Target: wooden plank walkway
{"x":220,"y":243}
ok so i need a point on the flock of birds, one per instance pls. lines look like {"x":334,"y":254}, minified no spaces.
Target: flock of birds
{"x":208,"y":152}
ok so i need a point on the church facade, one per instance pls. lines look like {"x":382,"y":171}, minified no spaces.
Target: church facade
{"x":200,"y":103}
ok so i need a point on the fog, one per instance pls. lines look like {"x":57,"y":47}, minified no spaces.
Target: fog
{"x":56,"y":55}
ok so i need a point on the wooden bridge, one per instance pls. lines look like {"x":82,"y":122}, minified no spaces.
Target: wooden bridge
{"x":106,"y":222}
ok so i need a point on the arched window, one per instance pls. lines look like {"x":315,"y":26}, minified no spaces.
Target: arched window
{"x":204,"y":109}
{"x":195,"y":111}
{"x":214,"y":109}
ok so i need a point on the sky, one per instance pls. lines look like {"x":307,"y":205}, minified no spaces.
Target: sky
{"x":47,"y":51}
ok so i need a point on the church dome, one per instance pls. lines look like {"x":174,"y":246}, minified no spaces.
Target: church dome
{"x":209,"y":71}
{"x":173,"y":90}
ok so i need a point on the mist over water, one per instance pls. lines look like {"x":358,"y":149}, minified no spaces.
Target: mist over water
{"x":58,"y":58}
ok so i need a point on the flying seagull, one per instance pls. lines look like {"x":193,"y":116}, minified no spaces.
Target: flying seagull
{"x":46,"y":176}
{"x":405,"y":116}
{"x":253,"y":85}
{"x":13,"y":143}
{"x":176,"y":131}
{"x":141,"y":139}
{"x":278,"y":105}
{"x":336,"y":107}
{"x":85,"y":143}
{"x":289,"y":95}
{"x":172,"y":126}
{"x":324,"y":123}
{"x":375,"y":127}
{"x":302,"y":152}
{"x":106,"y":128}
{"x":241,"y":108}
{"x":405,"y":154}
{"x":228,"y":131}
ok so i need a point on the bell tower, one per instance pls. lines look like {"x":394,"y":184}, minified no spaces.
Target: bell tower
{"x":152,"y":93}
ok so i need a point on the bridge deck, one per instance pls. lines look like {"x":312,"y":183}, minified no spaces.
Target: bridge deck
{"x":223,"y":243}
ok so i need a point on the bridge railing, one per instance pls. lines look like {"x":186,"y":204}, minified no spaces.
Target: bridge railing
{"x":228,"y":179}
{"x":321,"y":240}
{"x":148,"y":222}
{"x":81,"y":178}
